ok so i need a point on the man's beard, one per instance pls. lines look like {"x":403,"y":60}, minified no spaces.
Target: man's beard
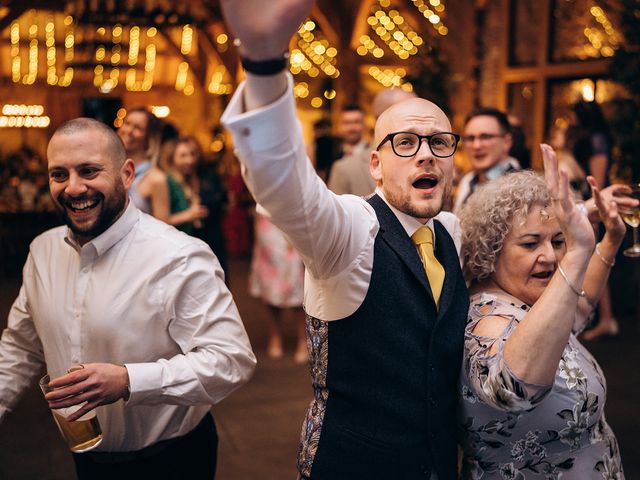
{"x":110,"y":210}
{"x":403,"y":203}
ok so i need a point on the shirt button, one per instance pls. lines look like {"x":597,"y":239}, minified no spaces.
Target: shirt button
{"x":245,"y":132}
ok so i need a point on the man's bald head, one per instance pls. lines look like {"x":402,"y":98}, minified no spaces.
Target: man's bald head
{"x":113,"y":143}
{"x":404,"y":111}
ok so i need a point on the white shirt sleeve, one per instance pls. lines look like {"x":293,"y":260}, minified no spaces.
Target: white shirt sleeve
{"x":328,"y":230}
{"x":205,"y":323}
{"x":21,"y":355}
{"x":334,"y":234}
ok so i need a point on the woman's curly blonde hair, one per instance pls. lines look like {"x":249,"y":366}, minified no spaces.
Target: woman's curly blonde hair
{"x":488,"y":215}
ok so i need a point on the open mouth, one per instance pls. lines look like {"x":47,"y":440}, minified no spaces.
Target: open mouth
{"x":426,"y":182}
{"x":81,"y":206}
{"x":543,"y":275}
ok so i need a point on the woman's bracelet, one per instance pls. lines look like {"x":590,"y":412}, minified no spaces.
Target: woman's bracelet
{"x":578,"y":292}
{"x":608,"y":262}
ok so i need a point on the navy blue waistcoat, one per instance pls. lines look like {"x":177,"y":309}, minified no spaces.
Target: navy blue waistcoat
{"x":385,"y":378}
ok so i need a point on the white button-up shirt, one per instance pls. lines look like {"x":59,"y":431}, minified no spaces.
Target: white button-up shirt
{"x":334,"y":234}
{"x":142,"y":295}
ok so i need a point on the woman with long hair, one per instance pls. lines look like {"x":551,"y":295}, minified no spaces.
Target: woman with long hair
{"x":141,"y":133}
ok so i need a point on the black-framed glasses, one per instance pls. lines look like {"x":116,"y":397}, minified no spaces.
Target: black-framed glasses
{"x":483,"y":137}
{"x":407,"y":144}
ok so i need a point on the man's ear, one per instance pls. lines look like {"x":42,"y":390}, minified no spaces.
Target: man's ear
{"x":508,"y":139}
{"x":375,"y":167}
{"x":128,"y":172}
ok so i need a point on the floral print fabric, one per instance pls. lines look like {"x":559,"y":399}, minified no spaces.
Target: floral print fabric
{"x":318,"y":344}
{"x":513,"y":430}
{"x":277,"y":271}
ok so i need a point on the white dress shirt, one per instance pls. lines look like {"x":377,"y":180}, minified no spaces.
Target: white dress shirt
{"x":141,"y":294}
{"x":334,"y":234}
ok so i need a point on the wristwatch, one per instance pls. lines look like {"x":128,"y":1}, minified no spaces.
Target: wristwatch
{"x":266,"y":67}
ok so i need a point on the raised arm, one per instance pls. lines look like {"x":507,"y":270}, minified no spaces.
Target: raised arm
{"x":603,"y":256}
{"x":264,"y":30}
{"x":533,"y":350}
{"x":328,"y":231}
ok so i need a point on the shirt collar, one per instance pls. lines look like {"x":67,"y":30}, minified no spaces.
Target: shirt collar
{"x":111,"y":235}
{"x":499,"y":169}
{"x":409,"y":223}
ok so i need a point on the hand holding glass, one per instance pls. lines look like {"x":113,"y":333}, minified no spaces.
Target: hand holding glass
{"x":631,"y":216}
{"x":82,"y":434}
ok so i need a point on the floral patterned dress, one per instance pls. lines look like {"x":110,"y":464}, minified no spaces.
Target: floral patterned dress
{"x":277,"y":271}
{"x":513,"y":430}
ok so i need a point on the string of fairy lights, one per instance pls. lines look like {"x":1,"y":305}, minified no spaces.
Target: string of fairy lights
{"x":55,"y":47}
{"x":113,"y":53}
{"x":605,"y":39}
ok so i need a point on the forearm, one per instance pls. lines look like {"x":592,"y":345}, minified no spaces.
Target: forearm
{"x":160,"y":200}
{"x":282,"y":180}
{"x":262,"y":90}
{"x":534,"y":349}
{"x":21,"y":356}
{"x":598,"y":271}
{"x":179,"y":218}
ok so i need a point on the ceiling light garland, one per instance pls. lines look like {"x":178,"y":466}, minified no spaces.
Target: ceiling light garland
{"x":367,"y":45}
{"x":81,"y":39}
{"x":314,"y":54}
{"x":432,"y":12}
{"x":392,"y":28}
{"x":605,"y":39}
{"x":218,"y":85}
{"x":37,"y":37}
{"x":391,"y":78}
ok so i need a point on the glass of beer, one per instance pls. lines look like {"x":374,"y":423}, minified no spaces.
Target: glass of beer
{"x":631,"y":216}
{"x":82,"y":434}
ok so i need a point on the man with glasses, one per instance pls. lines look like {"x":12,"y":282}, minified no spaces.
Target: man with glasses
{"x":385,"y":299}
{"x":487,"y":140}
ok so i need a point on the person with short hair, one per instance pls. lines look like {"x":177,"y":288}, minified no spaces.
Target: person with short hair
{"x":384,"y":295}
{"x":486,"y":140}
{"x":141,"y":306}
{"x":531,"y":396}
{"x":350,"y":173}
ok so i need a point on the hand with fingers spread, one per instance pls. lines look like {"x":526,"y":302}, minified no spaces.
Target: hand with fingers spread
{"x":576,"y":227}
{"x":96,"y":384}
{"x":617,"y":193}
{"x":607,"y":208}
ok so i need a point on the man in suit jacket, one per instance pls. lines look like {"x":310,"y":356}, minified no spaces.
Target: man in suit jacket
{"x":350,"y":174}
{"x":385,"y":347}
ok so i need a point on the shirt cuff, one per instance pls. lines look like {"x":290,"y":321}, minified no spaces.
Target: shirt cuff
{"x":264,"y":128}
{"x":145,"y":381}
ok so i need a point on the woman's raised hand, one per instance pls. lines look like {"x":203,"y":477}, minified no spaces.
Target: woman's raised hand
{"x":608,"y":211}
{"x":575,"y":226}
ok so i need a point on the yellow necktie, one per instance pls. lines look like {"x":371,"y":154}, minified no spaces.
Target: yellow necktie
{"x":423,"y":238}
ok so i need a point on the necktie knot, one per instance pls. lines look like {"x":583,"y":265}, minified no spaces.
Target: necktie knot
{"x":422,"y":235}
